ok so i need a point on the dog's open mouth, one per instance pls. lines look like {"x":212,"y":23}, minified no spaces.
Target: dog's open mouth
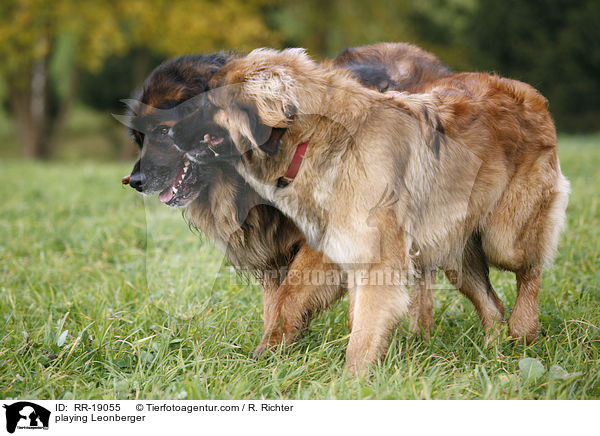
{"x":210,"y":147}
{"x":213,"y":141}
{"x":182,"y":186}
{"x":212,"y":144}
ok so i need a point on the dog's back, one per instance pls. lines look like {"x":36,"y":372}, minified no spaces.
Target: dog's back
{"x":392,"y":65}
{"x":505,"y":124}
{"x":519,"y":195}
{"x":504,"y":105}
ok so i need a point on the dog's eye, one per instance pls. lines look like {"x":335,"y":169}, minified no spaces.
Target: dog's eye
{"x":162,"y":130}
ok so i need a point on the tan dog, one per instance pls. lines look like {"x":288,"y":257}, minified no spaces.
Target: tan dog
{"x":462,"y":175}
{"x":256,"y":237}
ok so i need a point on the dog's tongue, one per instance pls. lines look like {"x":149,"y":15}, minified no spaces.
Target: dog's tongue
{"x":166,"y":195}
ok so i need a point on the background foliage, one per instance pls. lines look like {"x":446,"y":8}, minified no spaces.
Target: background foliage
{"x":63,"y":54}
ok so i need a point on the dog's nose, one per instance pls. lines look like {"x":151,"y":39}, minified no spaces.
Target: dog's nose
{"x":136,"y":181}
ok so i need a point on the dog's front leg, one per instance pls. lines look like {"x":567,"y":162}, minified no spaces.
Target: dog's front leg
{"x":376,"y":307}
{"x":312,"y":284}
{"x":270,"y":286}
{"x":421,"y":305}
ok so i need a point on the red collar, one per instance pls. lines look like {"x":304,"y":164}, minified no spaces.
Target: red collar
{"x":294,"y":166}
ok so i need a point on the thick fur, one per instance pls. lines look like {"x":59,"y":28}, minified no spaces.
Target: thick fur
{"x":392,"y":66}
{"x":257,"y":238}
{"x":462,"y":175}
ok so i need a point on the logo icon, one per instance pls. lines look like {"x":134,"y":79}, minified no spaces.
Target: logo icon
{"x":26,"y":415}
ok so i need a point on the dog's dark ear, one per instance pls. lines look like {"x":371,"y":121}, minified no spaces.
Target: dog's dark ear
{"x":346,"y":56}
{"x":267,"y":138}
{"x":372,"y":76}
{"x":290,"y":112}
{"x":260,"y":131}
{"x":271,"y":146}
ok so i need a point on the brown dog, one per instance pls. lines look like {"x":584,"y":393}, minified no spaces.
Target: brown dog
{"x":257,"y":238}
{"x":405,"y":65}
{"x":463,"y":174}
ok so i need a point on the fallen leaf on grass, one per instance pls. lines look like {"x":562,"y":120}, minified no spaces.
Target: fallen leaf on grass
{"x":531,"y":369}
{"x":557,"y":372}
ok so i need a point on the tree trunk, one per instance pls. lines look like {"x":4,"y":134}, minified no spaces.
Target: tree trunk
{"x":39,"y":106}
{"x":20,"y":106}
{"x":37,"y":130}
{"x":29,"y":104}
{"x":57,"y":124}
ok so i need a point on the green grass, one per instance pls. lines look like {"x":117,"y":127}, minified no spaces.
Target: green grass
{"x":103,"y":296}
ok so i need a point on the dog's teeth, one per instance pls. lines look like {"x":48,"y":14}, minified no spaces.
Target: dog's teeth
{"x":185,"y":169}
{"x":174,"y":190}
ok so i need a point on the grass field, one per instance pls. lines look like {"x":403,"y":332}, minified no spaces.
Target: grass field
{"x":103,"y":295}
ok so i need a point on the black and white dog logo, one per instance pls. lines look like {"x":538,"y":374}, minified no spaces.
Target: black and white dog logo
{"x":26,"y":415}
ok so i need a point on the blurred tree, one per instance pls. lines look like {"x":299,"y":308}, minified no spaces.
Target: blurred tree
{"x":575,"y":95}
{"x":553,"y":45}
{"x":178,"y":27}
{"x":119,"y":75}
{"x":29,"y":36}
{"x":104,"y":89}
{"x":326,"y":27}
{"x":443,"y":27}
{"x":45,"y":45}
